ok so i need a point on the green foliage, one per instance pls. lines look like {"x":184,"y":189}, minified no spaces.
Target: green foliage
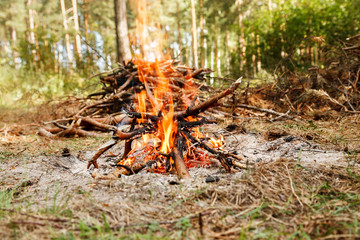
{"x":26,"y":87}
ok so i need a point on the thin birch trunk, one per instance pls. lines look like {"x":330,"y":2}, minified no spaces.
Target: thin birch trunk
{"x":56,"y":66}
{"x":227,"y":52}
{"x":6,"y":42}
{"x":217,"y":59}
{"x":253,"y":56}
{"x":242,"y":43}
{"x":179,"y":31}
{"x":201,"y":26}
{"x":194,"y":38}
{"x":205,"y":50}
{"x":77,"y":29}
{"x":14,"y":47}
{"x":32,"y":34}
{"x":212,"y":61}
{"x":86,"y":25}
{"x":189,"y":54}
{"x":258,"y":52}
{"x":67,"y":37}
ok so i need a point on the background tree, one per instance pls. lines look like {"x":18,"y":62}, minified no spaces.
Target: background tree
{"x":194,"y":35}
{"x":122,"y":39}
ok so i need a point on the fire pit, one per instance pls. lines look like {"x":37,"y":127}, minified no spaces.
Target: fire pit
{"x":164,"y":118}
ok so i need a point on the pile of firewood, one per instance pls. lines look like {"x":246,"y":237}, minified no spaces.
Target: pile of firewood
{"x":118,"y":105}
{"x":107,"y":108}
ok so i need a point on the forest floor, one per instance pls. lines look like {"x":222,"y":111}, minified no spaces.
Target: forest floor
{"x":302,"y":182}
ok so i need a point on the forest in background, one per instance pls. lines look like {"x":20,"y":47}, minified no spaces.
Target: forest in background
{"x":49,"y":48}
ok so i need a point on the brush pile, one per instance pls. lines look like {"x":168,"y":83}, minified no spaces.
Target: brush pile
{"x":332,"y":90}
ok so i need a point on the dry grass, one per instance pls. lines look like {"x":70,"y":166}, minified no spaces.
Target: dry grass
{"x":340,"y":134}
{"x":279,"y":200}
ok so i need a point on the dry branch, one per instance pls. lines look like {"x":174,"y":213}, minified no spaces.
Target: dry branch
{"x":100,"y":151}
{"x":209,"y":103}
{"x":180,"y":166}
{"x":265,"y":110}
{"x":45,"y":133}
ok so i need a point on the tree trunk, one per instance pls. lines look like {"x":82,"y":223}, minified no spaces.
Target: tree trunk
{"x":67,"y":37}
{"x":316,"y":54}
{"x":86,"y":25}
{"x":253,"y":56}
{"x":194,"y":39}
{"x":242,"y":43}
{"x":212,"y":60}
{"x":189,"y":55}
{"x":179,"y":31}
{"x":122,"y":38}
{"x":5,"y":41}
{"x":227,"y":52}
{"x":205,"y":53}
{"x":77,"y":29}
{"x":46,"y":41}
{"x":258,"y":52}
{"x":201,"y":25}
{"x":283,"y":32}
{"x":14,"y":47}
{"x":270,"y":11}
{"x":217,"y":57}
{"x":32,"y":34}
{"x":56,"y":56}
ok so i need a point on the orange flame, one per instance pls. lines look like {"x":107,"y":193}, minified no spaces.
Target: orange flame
{"x":217,"y":142}
{"x":160,"y":100}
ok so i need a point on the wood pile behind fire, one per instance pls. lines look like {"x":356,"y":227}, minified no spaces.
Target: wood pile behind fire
{"x":158,"y":104}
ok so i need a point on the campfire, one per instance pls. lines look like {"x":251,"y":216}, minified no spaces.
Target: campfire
{"x":158,"y":101}
{"x":164,"y":114}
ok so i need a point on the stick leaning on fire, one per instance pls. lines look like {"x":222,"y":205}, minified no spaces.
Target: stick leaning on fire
{"x":182,"y":135}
